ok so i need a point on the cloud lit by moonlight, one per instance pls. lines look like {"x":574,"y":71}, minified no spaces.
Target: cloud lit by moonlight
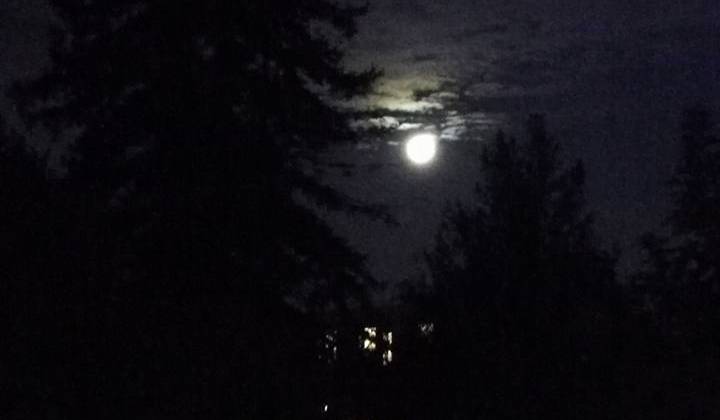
{"x":421,"y":148}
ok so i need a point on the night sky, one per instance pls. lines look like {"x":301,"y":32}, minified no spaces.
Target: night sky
{"x":612,"y":77}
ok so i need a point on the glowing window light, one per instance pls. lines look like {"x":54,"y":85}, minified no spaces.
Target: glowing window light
{"x":387,"y":357}
{"x":368,"y":343}
{"x":426,"y":329}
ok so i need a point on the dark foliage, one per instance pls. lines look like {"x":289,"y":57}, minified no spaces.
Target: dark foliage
{"x":191,"y":283}
{"x":679,"y":287}
{"x":29,"y":247}
{"x":526,"y":305}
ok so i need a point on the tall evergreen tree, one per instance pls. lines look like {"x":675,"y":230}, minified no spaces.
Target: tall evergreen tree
{"x":695,"y":246}
{"x":679,"y":285}
{"x":31,"y":252}
{"x":200,"y":280}
{"x":522,"y":291}
{"x":681,"y":282}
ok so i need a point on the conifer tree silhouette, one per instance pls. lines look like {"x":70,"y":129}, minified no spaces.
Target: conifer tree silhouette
{"x":522,"y":290}
{"x":201,"y":284}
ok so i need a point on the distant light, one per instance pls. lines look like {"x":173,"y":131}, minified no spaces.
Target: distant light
{"x":368,"y":343}
{"x":426,"y":329}
{"x":387,"y":357}
{"x":325,"y":408}
{"x":421,"y":148}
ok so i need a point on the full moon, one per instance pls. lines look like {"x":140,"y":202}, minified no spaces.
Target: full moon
{"x":421,"y":148}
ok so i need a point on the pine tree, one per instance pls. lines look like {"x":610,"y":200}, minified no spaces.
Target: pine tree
{"x":681,"y":280}
{"x":199,"y":123}
{"x":33,"y":312}
{"x":678,"y":286}
{"x":696,"y":227}
{"x":523,"y":293}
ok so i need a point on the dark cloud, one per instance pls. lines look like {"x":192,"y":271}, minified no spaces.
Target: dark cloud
{"x":420,"y":58}
{"x":483,"y":30}
{"x":415,"y":9}
{"x":445,"y":87}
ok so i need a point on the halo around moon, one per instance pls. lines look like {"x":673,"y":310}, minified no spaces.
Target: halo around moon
{"x":421,"y":148}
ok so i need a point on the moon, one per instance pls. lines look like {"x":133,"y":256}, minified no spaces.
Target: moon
{"x":421,"y":148}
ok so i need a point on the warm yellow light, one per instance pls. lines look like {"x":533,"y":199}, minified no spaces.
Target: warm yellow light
{"x":421,"y":148}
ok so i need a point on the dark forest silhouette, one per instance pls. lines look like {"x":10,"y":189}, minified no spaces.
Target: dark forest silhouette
{"x":521,"y":292}
{"x":188,"y":282}
{"x":172,"y":272}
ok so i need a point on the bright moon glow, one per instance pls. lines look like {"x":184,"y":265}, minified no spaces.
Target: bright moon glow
{"x":420,"y":149}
